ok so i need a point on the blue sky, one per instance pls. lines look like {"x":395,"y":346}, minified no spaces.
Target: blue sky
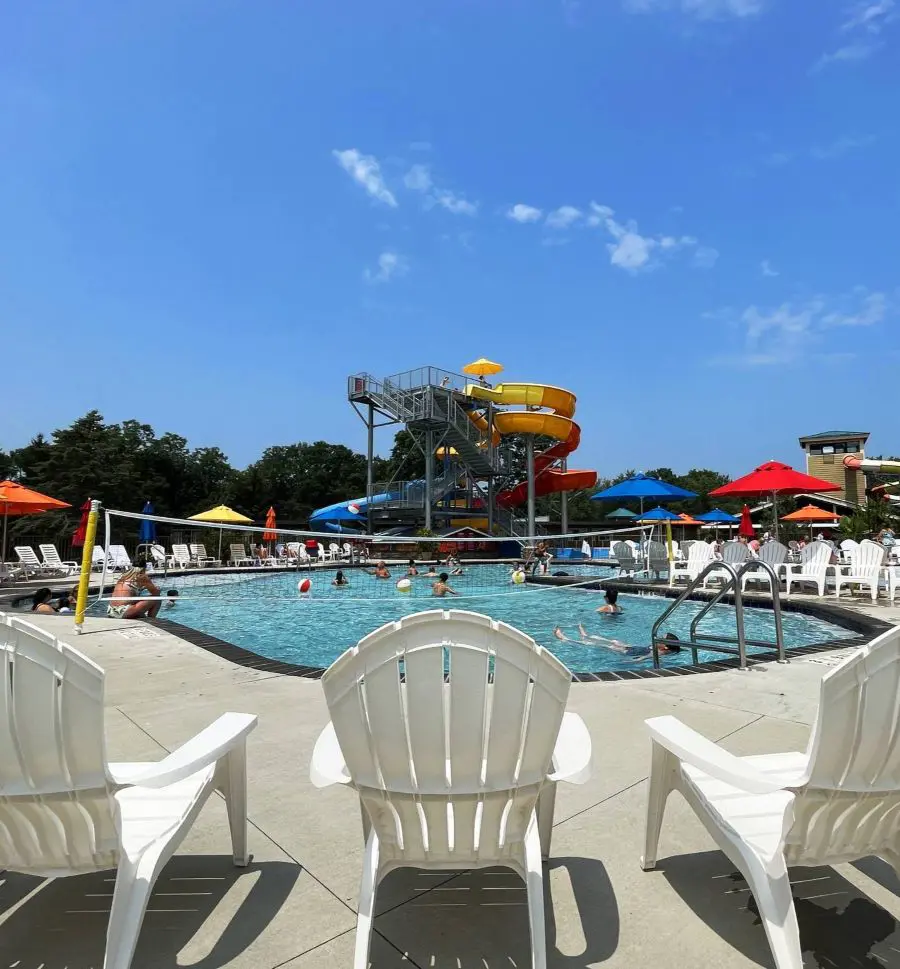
{"x":683,"y":210}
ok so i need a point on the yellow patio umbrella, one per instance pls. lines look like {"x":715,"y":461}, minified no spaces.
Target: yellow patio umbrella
{"x":224,"y":515}
{"x":482,"y":367}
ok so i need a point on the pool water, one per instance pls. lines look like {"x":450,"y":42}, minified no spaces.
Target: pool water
{"x":265,"y":613}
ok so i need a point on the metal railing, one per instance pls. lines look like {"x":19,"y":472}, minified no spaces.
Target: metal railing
{"x":725,"y":644}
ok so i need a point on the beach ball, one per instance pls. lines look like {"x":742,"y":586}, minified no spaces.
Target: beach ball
{"x":353,"y":509}
{"x":404,"y":585}
{"x":304,"y":585}
{"x":518,"y":577}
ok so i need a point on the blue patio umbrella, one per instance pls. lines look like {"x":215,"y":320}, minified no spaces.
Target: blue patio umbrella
{"x":660,"y":515}
{"x":622,"y":513}
{"x":147,"y":530}
{"x":644,"y":488}
{"x":717,"y":516}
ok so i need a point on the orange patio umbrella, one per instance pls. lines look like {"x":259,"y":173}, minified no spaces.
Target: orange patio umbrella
{"x":270,"y":535}
{"x":16,"y":499}
{"x":810,"y":515}
{"x":686,"y":520}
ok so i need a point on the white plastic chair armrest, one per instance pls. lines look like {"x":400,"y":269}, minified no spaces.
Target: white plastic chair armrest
{"x":328,"y":766}
{"x":572,"y":755}
{"x":688,"y":745}
{"x":206,"y":748}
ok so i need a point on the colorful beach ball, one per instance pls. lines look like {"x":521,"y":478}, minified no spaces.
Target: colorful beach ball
{"x":303,"y":586}
{"x":353,"y":509}
{"x":518,"y":577}
{"x":404,"y":585}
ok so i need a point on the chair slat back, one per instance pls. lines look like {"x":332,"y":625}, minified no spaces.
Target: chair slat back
{"x":867,"y":558}
{"x":26,"y":556}
{"x":238,"y":552}
{"x":736,"y":553}
{"x":623,"y":553}
{"x":773,"y":553}
{"x":815,"y":557}
{"x":119,"y":557}
{"x":447,"y":715}
{"x":181,"y":555}
{"x":57,"y":814}
{"x":50,"y":556}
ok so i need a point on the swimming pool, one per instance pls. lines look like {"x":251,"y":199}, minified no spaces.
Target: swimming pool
{"x":265,"y":613}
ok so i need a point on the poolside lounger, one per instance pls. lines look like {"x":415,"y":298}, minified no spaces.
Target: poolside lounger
{"x":158,"y":557}
{"x":52,"y":560}
{"x":66,"y":810}
{"x":834,"y":803}
{"x":812,"y":568}
{"x":30,"y":563}
{"x":484,"y":744}
{"x":98,"y":557}
{"x":180,"y":557}
{"x":866,"y":562}
{"x":240,"y":557}
{"x":119,"y":558}
{"x":200,"y":558}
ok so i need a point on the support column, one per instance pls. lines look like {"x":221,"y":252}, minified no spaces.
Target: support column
{"x":429,"y":474}
{"x":529,"y":464}
{"x":370,"y":459}
{"x":564,"y":505}
{"x":490,"y":507}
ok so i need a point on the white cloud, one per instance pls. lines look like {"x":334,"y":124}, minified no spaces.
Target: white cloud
{"x":365,"y":171}
{"x":702,"y":9}
{"x":840,"y":147}
{"x":631,"y":251}
{"x":523,"y":213}
{"x":849,"y":53}
{"x":418,"y":179}
{"x":563,"y":217}
{"x":390,"y":265}
{"x":598,"y":214}
{"x":793,"y":332}
{"x":705,"y":257}
{"x":870,"y":16}
{"x":765,"y":267}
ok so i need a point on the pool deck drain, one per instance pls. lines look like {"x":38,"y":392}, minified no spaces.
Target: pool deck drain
{"x":294,"y":907}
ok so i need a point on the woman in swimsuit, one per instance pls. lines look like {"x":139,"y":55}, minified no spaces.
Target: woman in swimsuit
{"x":131,"y":584}
{"x":40,"y":602}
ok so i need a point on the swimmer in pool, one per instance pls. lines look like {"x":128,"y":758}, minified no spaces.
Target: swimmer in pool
{"x":411,"y":569}
{"x":340,"y":579}
{"x":612,"y":607}
{"x":441,"y":588}
{"x":380,"y":571}
{"x":632,"y":652}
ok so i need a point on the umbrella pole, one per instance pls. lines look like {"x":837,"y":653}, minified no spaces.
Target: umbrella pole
{"x":219,"y":556}
{"x":775,"y":510}
{"x":5,"y":516}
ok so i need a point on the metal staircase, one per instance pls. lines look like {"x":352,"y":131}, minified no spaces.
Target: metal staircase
{"x":731,"y":645}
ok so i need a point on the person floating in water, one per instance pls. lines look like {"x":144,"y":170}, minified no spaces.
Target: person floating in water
{"x":441,"y":587}
{"x":672,"y":644}
{"x":612,"y":607}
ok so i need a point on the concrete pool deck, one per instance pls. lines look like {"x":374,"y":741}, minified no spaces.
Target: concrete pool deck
{"x":295,"y":905}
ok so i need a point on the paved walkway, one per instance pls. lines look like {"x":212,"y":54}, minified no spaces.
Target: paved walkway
{"x":295,"y":905}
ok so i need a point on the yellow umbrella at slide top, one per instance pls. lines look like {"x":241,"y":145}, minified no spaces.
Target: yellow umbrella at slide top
{"x":224,"y":515}
{"x":482,"y":367}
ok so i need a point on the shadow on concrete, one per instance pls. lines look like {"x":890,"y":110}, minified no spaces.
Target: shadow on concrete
{"x":63,"y":924}
{"x":479,"y":919}
{"x":840,"y":928}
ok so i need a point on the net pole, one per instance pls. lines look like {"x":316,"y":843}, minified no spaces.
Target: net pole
{"x":87,"y":559}
{"x":529,"y":462}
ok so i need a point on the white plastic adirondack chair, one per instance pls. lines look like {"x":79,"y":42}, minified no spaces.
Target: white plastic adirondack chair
{"x":772,"y":553}
{"x":334,"y":551}
{"x":119,"y":558}
{"x":657,"y":557}
{"x":735,"y":554}
{"x":29,"y":561}
{"x":812,"y":568}
{"x":181,"y":556}
{"x":848,"y":546}
{"x":239,"y":555}
{"x":347,"y":551}
{"x":52,"y":560}
{"x":322,"y":553}
{"x":700,"y":554}
{"x":864,"y":569}
{"x":199,"y":556}
{"x":451,"y":775}
{"x":837,"y":802}
{"x":65,"y":810}
{"x":623,"y":553}
{"x":893,"y":579}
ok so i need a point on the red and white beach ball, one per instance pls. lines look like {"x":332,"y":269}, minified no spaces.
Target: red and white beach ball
{"x":303,"y":586}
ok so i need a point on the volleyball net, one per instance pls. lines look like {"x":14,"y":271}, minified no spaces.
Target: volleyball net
{"x":196,"y":560}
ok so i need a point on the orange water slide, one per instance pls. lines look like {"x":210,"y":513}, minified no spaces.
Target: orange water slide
{"x":548,"y":412}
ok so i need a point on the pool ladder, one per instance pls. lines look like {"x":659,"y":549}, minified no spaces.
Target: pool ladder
{"x":732,"y":645}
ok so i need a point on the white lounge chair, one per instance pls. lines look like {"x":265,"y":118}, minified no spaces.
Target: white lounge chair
{"x":735,"y":554}
{"x":866,"y":562}
{"x":99,"y":557}
{"x":158,"y":557}
{"x":66,"y":810}
{"x":812,"y":568}
{"x":180,"y":557}
{"x":119,"y":558}
{"x":30,"y":563}
{"x":837,"y":802}
{"x":484,"y":749}
{"x":200,"y":558}
{"x":240,"y":557}
{"x":52,"y":560}
{"x":699,"y":555}
{"x":772,"y":553}
{"x":623,"y":553}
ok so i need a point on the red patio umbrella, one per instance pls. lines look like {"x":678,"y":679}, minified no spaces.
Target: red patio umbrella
{"x":270,"y":535}
{"x":81,"y":531}
{"x":746,"y":528}
{"x":773,"y":478}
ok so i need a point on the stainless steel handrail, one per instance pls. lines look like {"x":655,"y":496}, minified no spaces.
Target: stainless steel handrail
{"x":732,"y":583}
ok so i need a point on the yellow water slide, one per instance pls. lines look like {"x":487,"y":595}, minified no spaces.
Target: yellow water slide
{"x":548,"y":411}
